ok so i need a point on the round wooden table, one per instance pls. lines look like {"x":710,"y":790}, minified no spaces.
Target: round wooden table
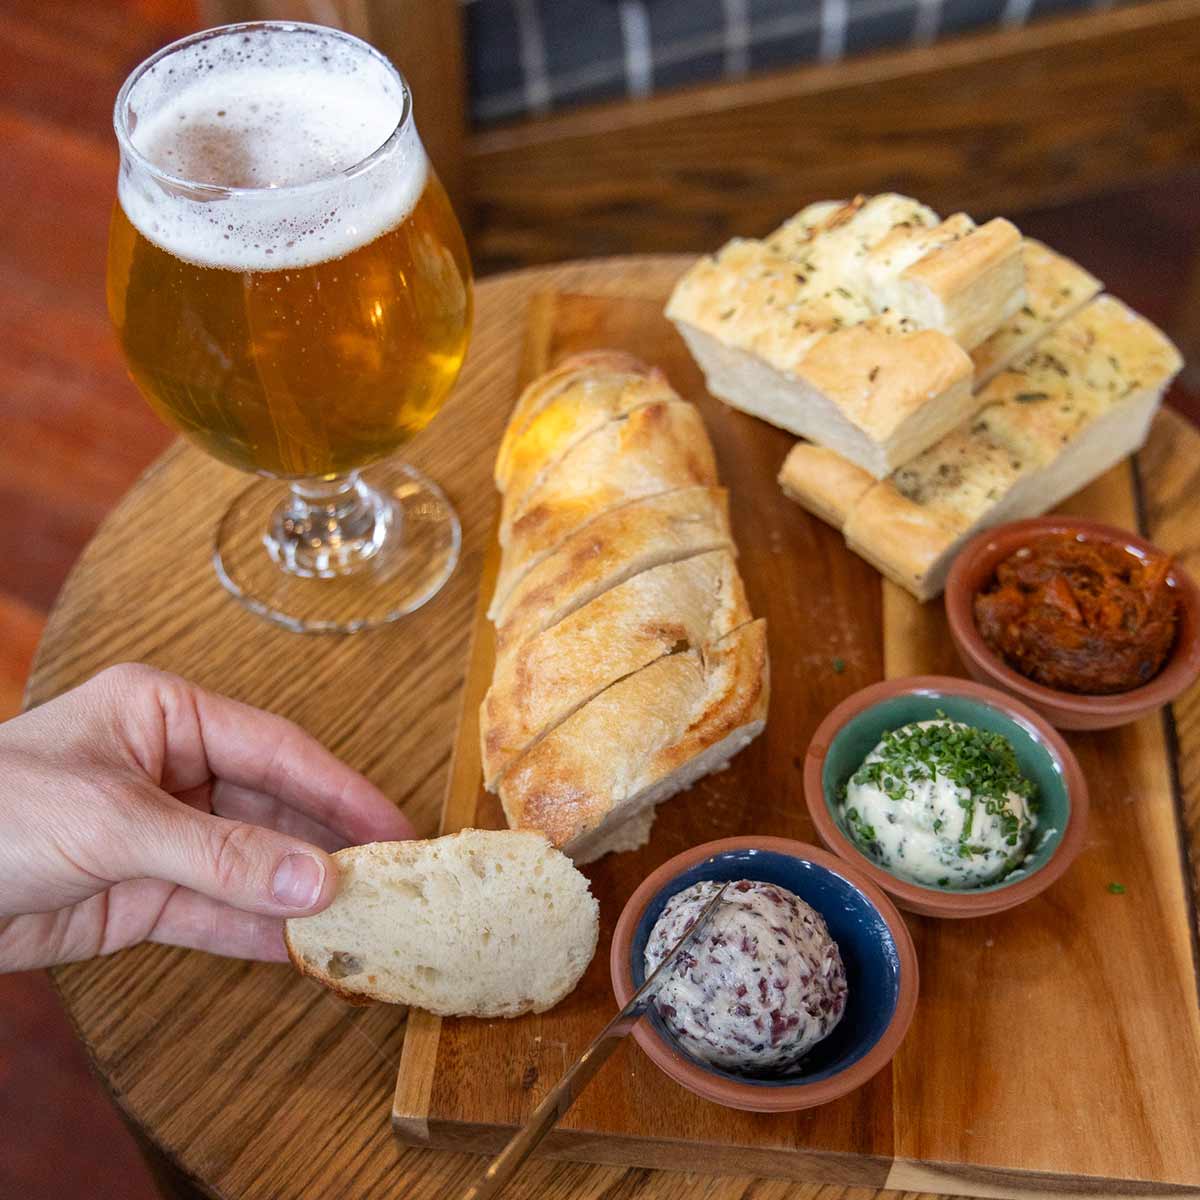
{"x":252,"y":1082}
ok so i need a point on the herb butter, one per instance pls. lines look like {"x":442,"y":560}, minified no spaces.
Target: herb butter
{"x":941,"y":803}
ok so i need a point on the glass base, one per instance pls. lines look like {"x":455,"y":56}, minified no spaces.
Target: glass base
{"x":339,"y":557}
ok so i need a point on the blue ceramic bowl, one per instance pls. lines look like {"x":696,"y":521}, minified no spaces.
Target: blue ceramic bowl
{"x":881,"y":971}
{"x":854,"y":728}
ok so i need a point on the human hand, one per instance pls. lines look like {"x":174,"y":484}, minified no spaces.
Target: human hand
{"x":140,"y":807}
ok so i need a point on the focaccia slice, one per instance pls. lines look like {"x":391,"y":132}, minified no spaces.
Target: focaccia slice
{"x":1055,"y":287}
{"x":848,"y":324}
{"x":1070,"y":409}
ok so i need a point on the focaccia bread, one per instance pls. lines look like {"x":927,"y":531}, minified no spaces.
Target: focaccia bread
{"x":618,"y":582}
{"x":850,"y":324}
{"x":953,"y":275}
{"x":1055,"y":287}
{"x":1075,"y":405}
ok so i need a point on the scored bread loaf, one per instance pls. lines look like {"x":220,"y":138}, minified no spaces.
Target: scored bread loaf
{"x":610,"y":549}
{"x":850,"y":324}
{"x":1072,"y":407}
{"x":646,"y":738}
{"x":478,"y":924}
{"x":540,"y":681}
{"x":617,"y":580}
{"x":658,"y":448}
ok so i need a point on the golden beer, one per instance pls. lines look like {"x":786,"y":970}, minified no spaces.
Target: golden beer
{"x":290,"y":288}
{"x":305,"y":372}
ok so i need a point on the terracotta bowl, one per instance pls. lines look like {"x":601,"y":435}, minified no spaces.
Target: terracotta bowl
{"x":855,"y":727}
{"x":881,"y":971}
{"x":973,"y":569}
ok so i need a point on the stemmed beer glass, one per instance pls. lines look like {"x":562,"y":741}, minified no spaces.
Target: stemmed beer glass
{"x":291,"y":289}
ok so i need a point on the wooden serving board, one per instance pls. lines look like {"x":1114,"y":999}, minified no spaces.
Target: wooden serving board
{"x":1055,"y":1047}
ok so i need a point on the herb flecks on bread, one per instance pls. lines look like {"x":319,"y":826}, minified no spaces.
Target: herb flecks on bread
{"x":1074,"y":405}
{"x":850,"y":325}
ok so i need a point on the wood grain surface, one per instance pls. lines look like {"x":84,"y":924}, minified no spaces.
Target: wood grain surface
{"x":992,"y":122}
{"x":254,"y":1081}
{"x":1003,"y":999}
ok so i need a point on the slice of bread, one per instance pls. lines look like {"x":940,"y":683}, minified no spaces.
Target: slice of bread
{"x":953,"y":275}
{"x":648,"y":736}
{"x":608,"y":550}
{"x":1055,"y":287}
{"x":1075,"y":405}
{"x":661,"y":447}
{"x":539,"y":682}
{"x":847,"y":326}
{"x":480,"y":923}
{"x":590,"y":400}
{"x":545,"y":388}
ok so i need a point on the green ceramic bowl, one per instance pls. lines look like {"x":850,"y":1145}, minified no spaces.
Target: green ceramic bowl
{"x":854,"y":728}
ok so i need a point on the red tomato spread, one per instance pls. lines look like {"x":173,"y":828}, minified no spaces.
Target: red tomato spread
{"x":1079,"y":615}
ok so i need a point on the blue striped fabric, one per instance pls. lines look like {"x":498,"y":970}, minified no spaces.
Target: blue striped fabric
{"x":529,"y":57}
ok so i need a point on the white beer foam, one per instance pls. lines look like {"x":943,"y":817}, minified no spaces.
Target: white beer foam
{"x":278,"y":115}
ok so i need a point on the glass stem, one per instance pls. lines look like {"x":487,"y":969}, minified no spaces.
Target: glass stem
{"x":329,"y":527}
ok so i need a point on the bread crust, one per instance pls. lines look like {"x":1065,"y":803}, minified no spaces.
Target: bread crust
{"x":1055,"y":287}
{"x":546,"y":387}
{"x":824,"y":482}
{"x":539,"y":682}
{"x":661,"y":447}
{"x":608,"y":550}
{"x":637,"y":734}
{"x":1098,"y":363}
{"x":591,"y":399}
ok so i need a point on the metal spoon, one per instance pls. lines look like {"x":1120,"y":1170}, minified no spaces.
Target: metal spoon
{"x":560,"y":1098}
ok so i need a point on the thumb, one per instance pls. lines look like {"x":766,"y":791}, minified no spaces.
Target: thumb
{"x":246,"y":866}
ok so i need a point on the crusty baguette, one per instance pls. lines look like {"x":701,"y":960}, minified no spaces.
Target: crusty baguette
{"x":645,"y":738}
{"x":1071,"y":408}
{"x":539,"y":682}
{"x":545,"y":388}
{"x":1055,"y":287}
{"x":658,"y":448}
{"x":847,"y":326}
{"x":590,"y":400}
{"x":479,"y":923}
{"x":606,"y":551}
{"x":616,"y":557}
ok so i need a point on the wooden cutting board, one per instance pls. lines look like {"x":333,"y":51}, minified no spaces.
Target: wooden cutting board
{"x":1055,"y":1047}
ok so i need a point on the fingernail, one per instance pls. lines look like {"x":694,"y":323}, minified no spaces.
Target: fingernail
{"x":297,"y":881}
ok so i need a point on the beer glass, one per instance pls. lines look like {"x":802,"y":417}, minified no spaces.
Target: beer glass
{"x":290,"y":288}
